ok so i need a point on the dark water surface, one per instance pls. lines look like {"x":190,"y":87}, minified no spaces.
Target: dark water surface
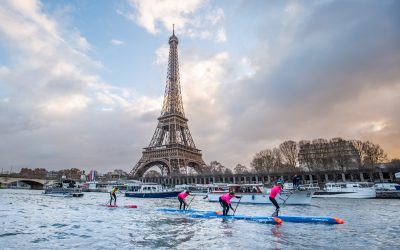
{"x":30,"y":220}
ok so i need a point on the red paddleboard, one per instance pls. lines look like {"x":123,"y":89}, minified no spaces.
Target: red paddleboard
{"x":130,"y":206}
{"x":108,"y":205}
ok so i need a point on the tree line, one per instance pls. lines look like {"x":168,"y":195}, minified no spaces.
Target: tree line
{"x":315,"y":155}
{"x":319,"y":154}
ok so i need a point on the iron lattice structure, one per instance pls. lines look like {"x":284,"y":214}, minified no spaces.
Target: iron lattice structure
{"x":171,"y":148}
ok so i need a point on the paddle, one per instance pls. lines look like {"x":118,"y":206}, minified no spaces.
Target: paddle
{"x":283,"y":204}
{"x":187,"y":207}
{"x":237,"y":206}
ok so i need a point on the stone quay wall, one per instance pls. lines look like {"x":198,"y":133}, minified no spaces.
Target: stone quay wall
{"x":320,"y":177}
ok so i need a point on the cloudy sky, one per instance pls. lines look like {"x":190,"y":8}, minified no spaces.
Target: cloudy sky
{"x":82,"y":82}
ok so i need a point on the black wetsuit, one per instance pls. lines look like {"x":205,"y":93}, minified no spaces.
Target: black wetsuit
{"x":275,"y":204}
{"x":296,"y":181}
{"x":113,"y":196}
{"x":225,"y":206}
{"x":181,"y":202}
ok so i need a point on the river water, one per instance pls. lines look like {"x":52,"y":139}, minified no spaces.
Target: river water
{"x":30,"y":220}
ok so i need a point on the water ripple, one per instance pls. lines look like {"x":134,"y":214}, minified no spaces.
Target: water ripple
{"x":85,"y":223}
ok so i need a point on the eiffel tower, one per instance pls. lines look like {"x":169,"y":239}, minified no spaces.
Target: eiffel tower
{"x":171,"y":148}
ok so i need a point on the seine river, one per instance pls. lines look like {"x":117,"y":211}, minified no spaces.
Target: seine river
{"x":30,"y":220}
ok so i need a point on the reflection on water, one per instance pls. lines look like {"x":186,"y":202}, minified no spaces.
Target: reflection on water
{"x":275,"y":230}
{"x":30,"y":220}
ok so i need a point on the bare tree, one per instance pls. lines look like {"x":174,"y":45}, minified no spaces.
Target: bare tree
{"x":228,"y":171}
{"x":290,"y":152}
{"x":359,"y":149}
{"x":240,"y":169}
{"x":263,"y":162}
{"x":306,"y":155}
{"x":308,"y":159}
{"x":342,"y":152}
{"x":278,"y":159}
{"x":217,"y":168}
{"x":257,"y":163}
{"x":323,"y":157}
{"x":374,"y":154}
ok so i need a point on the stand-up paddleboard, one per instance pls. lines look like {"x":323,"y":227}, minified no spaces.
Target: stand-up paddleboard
{"x":124,"y":206}
{"x":267,"y":219}
{"x":263,"y":219}
{"x":211,"y":214}
{"x":310,"y":219}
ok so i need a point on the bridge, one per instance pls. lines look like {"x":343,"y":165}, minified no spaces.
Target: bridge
{"x":19,"y":182}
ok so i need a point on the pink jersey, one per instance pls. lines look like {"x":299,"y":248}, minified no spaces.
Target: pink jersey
{"x":183,"y":195}
{"x":275,"y":191}
{"x":227,"y":198}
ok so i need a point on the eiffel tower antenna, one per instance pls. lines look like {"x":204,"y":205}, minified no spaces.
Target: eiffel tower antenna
{"x":171,"y":148}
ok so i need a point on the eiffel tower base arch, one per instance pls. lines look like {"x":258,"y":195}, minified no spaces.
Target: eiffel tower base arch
{"x":169,"y":166}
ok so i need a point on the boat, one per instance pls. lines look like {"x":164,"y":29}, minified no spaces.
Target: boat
{"x":310,"y":186}
{"x":266,"y":219}
{"x":387,"y":190}
{"x":387,"y":187}
{"x":257,"y":194}
{"x":95,"y":186}
{"x":63,"y":188}
{"x":196,"y":189}
{"x":347,"y":190}
{"x":150,"y":190}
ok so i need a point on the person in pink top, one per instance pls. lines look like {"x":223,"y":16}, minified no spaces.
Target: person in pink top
{"x":225,"y":201}
{"x":275,"y":190}
{"x":181,"y":197}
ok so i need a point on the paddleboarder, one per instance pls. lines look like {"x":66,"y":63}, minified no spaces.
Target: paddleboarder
{"x":181,"y":197}
{"x":113,"y":196}
{"x":225,"y":201}
{"x":296,"y":181}
{"x":275,"y":190}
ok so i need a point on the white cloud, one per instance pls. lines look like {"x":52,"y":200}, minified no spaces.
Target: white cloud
{"x":162,"y":55}
{"x":293,"y":8}
{"x":55,"y":102}
{"x":66,"y":104}
{"x":193,"y":18}
{"x":4,"y":70}
{"x":221,"y":36}
{"x":117,"y":42}
{"x":166,"y":12}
